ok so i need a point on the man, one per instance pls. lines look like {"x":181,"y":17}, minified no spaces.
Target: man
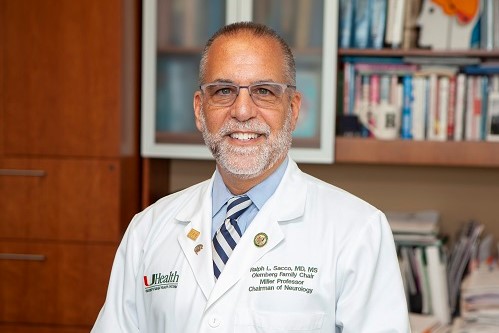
{"x":294,"y":253}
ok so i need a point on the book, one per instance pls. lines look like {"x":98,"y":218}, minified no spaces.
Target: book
{"x":345,"y":16}
{"x":493,"y":117}
{"x":419,"y":108}
{"x":410,"y":30}
{"x":487,"y":25}
{"x":438,"y":283}
{"x":414,"y":222}
{"x":431,"y":133}
{"x":442,"y":109}
{"x":451,"y":108}
{"x":460,"y":106}
{"x":398,"y":24}
{"x":361,"y":23}
{"x":378,"y":22}
{"x":406,"y":123}
{"x":385,"y":68}
{"x":395,"y":23}
{"x":348,"y":88}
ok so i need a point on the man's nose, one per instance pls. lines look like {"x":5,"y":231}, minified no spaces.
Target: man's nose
{"x":243,"y":108}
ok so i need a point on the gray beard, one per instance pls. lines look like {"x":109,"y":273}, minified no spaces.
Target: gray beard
{"x":248,"y":162}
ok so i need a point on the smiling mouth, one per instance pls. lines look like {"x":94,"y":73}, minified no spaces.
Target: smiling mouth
{"x":244,"y":136}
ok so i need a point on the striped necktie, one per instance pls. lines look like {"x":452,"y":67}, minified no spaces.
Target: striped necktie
{"x":226,"y":238}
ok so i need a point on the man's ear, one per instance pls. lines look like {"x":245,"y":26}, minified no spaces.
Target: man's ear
{"x":295,"y":108}
{"x":198,"y":105}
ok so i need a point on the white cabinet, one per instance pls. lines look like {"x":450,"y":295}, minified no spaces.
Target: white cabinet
{"x":174,"y":32}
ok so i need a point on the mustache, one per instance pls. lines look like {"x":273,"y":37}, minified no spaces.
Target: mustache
{"x":251,"y":125}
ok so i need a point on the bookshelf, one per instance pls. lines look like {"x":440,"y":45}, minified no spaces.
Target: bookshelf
{"x":422,"y":34}
{"x":410,"y":152}
{"x":422,"y":153}
{"x":387,"y":52}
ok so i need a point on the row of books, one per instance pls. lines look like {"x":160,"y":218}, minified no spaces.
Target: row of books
{"x":419,"y":23}
{"x":422,"y":260}
{"x":399,"y":99}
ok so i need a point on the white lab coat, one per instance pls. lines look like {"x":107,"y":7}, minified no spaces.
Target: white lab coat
{"x":329,"y":265}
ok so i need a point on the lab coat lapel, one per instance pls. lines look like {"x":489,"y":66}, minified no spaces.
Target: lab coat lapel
{"x":197,"y":250}
{"x":287,"y":204}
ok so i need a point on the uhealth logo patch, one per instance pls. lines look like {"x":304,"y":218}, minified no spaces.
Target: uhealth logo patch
{"x":159,"y":281}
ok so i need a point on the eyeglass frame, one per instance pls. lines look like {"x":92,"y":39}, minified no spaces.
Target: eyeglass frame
{"x":283,"y":86}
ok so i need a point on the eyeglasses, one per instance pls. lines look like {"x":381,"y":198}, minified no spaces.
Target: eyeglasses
{"x":263,"y":94}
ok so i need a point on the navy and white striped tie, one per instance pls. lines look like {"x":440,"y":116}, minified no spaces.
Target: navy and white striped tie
{"x":226,"y":238}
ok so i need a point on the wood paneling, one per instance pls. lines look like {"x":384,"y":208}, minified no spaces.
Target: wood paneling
{"x":65,"y":77}
{"x":67,"y":287}
{"x":74,"y":199}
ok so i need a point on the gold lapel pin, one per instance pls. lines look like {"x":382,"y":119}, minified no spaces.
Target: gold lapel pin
{"x":260,"y":239}
{"x":193,"y":234}
{"x":198,"y":248}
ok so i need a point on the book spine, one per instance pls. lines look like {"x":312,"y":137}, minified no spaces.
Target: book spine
{"x":432,"y":107}
{"x":459,"y":108}
{"x":493,"y":116}
{"x":378,"y":20}
{"x":443,"y":108}
{"x":477,"y":109}
{"x":406,"y":126}
{"x":374,"y":102}
{"x":361,"y":24}
{"x":418,"y":108}
{"x":485,"y":105}
{"x":438,"y":284}
{"x":346,"y":19}
{"x":398,"y":24}
{"x":451,"y":109}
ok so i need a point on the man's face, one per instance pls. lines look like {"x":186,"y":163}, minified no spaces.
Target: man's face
{"x":246,"y":140}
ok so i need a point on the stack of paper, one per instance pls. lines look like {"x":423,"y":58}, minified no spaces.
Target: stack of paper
{"x":480,"y":301}
{"x":426,"y":324}
{"x":417,"y":228}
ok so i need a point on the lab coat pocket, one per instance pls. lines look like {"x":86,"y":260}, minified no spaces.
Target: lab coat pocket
{"x":251,"y":321}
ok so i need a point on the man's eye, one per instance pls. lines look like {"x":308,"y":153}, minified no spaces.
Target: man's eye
{"x":263,"y":91}
{"x":224,"y":91}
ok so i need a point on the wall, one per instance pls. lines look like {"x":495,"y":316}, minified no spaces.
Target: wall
{"x":459,"y":194}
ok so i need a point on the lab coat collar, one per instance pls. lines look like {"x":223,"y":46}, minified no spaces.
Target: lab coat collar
{"x":286,"y":204}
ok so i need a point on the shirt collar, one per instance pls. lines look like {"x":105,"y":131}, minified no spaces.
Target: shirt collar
{"x":258,"y":194}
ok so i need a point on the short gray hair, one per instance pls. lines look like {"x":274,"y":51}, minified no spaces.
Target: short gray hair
{"x":258,"y":30}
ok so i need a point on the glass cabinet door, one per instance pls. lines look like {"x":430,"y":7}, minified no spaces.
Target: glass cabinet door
{"x":308,"y":27}
{"x":174,"y":32}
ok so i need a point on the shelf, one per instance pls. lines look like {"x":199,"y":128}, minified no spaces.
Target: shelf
{"x":431,"y":153}
{"x":419,"y":52}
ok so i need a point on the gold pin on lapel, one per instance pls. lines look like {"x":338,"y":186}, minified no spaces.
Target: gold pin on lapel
{"x":193,"y":234}
{"x":260,"y":239}
{"x":198,"y":248}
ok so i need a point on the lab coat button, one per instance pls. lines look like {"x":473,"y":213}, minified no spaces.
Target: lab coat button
{"x":214,"y":322}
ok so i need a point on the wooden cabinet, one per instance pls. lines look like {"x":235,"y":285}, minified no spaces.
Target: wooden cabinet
{"x":69,"y":157}
{"x":53,"y":282}
{"x":63,"y":78}
{"x":52,"y":199}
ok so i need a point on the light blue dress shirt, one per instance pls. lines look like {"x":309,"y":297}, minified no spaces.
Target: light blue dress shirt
{"x":258,"y":195}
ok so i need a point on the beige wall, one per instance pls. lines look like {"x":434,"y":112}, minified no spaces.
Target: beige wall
{"x":460,"y":194}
